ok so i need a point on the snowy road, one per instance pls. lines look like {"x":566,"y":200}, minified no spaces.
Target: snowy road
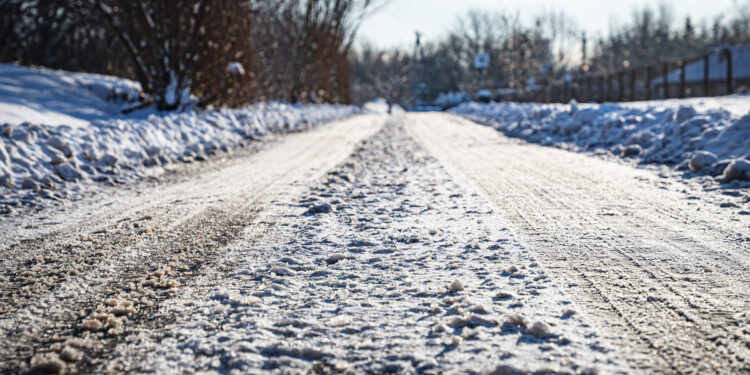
{"x":419,"y":243}
{"x":662,"y":267}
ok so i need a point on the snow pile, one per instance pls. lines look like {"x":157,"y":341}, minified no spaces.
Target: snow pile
{"x":707,"y":141}
{"x":52,"y":97}
{"x":34,"y":155}
{"x":451,"y":99}
{"x":380,"y":105}
{"x":84,"y":136}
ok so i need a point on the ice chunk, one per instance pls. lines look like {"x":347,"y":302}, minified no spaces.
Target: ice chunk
{"x":456,"y":286}
{"x":701,"y":160}
{"x":67,"y":172}
{"x":318,"y":209}
{"x":738,"y":169}
{"x":517,"y":320}
{"x":538,"y":329}
{"x":685,"y":112}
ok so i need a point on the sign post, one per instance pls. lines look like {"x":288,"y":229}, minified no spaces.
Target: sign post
{"x":481,"y":63}
{"x":482,"y":60}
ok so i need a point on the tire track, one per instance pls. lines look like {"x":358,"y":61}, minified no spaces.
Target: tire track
{"x":175,"y":247}
{"x":662,"y":268}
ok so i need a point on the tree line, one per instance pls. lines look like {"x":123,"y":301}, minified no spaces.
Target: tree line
{"x":654,"y":35}
{"x":528,"y":55}
{"x":222,"y":52}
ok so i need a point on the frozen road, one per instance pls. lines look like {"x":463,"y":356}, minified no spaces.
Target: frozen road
{"x":408,"y":244}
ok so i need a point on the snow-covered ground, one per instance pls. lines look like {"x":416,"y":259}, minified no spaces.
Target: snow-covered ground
{"x":422,"y":243}
{"x":299,"y":259}
{"x":390,"y":267}
{"x":708,"y":136}
{"x":60,"y":128}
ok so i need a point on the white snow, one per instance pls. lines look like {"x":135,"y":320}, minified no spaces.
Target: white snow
{"x":701,"y":160}
{"x":236,"y":68}
{"x":710,"y":132}
{"x":61,"y":127}
{"x":170,"y":97}
{"x":388,"y":307}
{"x":50,"y":97}
{"x":451,"y":99}
{"x":456,"y":286}
{"x":737,"y":105}
{"x":539,"y":329}
{"x":738,"y":169}
{"x":380,"y":105}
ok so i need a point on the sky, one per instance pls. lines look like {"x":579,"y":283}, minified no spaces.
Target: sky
{"x":394,"y":24}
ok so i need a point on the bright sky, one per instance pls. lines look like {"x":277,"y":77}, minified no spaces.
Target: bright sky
{"x":394,"y":24}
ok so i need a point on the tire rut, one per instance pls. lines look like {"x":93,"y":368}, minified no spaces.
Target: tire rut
{"x":103,"y":283}
{"x":185,"y":251}
{"x":626,"y":251}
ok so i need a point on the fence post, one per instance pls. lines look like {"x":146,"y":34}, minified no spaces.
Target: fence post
{"x":648,"y":83}
{"x":553,"y":94}
{"x":633,"y":95}
{"x":665,"y":73}
{"x":574,"y":89}
{"x":706,"y":84}
{"x":588,"y":88}
{"x":621,"y":86}
{"x":682,"y":79}
{"x":728,"y":54}
{"x":585,"y":88}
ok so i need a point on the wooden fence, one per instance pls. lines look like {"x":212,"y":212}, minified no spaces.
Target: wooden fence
{"x":648,"y":82}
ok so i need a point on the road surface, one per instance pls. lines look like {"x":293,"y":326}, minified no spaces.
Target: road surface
{"x":414,"y":243}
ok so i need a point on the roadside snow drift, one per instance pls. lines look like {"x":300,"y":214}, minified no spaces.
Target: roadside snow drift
{"x":52,"y":97}
{"x":58,"y":127}
{"x":712,"y":140}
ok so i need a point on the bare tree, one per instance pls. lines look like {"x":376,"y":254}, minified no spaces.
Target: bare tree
{"x":224,"y":52}
{"x":380,"y":74}
{"x":169,"y":41}
{"x":305,"y":47}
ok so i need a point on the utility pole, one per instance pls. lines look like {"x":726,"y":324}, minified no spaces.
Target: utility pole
{"x":418,"y":45}
{"x":421,"y":85}
{"x":583,"y":50}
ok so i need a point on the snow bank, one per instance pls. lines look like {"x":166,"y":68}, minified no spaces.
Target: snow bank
{"x":53,"y":97}
{"x":705,"y":140}
{"x":61,"y":127}
{"x":44,"y":155}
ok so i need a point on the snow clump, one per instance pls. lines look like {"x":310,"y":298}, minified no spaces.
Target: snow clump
{"x":738,"y":169}
{"x":701,"y":160}
{"x":456,"y":286}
